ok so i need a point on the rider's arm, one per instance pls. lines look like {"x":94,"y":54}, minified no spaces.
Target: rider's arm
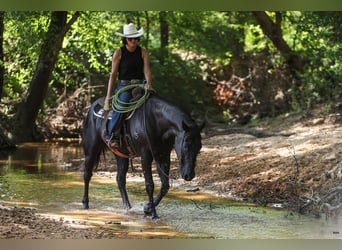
{"x":147,"y":69}
{"x":115,"y":67}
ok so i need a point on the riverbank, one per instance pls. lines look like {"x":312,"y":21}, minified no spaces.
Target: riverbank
{"x":298,"y":172}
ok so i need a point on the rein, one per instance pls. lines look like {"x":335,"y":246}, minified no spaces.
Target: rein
{"x":125,"y":107}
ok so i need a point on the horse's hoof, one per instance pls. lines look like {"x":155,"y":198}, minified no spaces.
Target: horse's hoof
{"x":85,"y":206}
{"x":127,"y":205}
{"x":154,"y":217}
{"x":147,"y":213}
{"x":148,"y":209}
{"x":127,"y":208}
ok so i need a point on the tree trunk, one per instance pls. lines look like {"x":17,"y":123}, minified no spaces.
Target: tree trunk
{"x":28,"y":110}
{"x":147,"y":37}
{"x":2,"y":68}
{"x":164,"y":30}
{"x":164,"y":36}
{"x":274,"y":32}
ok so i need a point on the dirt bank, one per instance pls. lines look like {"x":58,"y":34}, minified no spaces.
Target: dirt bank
{"x":287,"y":171}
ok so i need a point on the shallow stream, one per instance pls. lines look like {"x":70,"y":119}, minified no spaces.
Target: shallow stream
{"x":38,"y":175}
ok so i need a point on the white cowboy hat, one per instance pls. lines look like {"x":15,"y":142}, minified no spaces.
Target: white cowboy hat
{"x":130,"y":31}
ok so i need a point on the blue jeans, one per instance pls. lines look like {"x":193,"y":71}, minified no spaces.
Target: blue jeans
{"x":125,"y":97}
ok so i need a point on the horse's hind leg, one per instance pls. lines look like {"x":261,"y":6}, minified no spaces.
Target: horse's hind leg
{"x":122,"y":168}
{"x":88,"y":173}
{"x":86,"y":178}
{"x":92,"y":150}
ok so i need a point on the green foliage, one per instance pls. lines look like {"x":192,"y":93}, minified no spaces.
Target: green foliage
{"x":320,"y":42}
{"x":181,"y":71}
{"x":23,"y":33}
{"x":180,"y":81}
{"x":215,"y":34}
{"x":254,"y":38}
{"x":87,"y":52}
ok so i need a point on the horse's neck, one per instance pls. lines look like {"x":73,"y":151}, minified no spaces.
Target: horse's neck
{"x":173,"y":114}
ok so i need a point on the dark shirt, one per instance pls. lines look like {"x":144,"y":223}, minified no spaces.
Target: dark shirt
{"x":131,"y":64}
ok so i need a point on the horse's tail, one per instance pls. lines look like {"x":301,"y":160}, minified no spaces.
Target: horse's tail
{"x":92,"y":142}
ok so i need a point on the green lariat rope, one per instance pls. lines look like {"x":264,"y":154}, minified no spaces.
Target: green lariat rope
{"x":124,"y":107}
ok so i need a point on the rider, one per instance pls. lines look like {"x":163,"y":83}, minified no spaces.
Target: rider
{"x":132,"y":65}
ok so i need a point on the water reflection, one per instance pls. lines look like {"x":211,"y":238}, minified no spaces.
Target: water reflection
{"x":38,"y":175}
{"x":37,"y":157}
{"x":36,"y":172}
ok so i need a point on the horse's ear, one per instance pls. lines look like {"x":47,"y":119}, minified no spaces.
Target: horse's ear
{"x":202,"y":125}
{"x":185,"y":126}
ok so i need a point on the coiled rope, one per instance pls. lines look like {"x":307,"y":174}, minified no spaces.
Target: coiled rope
{"x":124,"y":107}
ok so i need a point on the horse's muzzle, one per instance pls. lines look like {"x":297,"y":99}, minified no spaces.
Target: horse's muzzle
{"x":188,"y":177}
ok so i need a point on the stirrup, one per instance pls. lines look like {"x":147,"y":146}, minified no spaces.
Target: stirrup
{"x":113,"y":145}
{"x":112,"y":142}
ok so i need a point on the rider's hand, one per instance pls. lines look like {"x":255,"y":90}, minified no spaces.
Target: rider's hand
{"x":148,"y":86}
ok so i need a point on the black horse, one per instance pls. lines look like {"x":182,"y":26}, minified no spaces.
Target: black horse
{"x":154,"y":129}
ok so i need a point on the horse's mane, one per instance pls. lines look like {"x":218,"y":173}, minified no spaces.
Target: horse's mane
{"x":176,"y":108}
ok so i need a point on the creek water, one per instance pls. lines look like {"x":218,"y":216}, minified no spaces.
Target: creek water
{"x":38,"y":175}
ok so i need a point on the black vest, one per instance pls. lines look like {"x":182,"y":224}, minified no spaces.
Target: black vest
{"x":131,"y":64}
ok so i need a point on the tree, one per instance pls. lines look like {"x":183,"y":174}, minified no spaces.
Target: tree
{"x":29,"y":108}
{"x":147,"y":17}
{"x":2,"y":68}
{"x":164,"y":35}
{"x":274,"y":32}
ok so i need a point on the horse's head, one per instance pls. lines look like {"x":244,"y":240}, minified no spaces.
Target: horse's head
{"x":188,"y":145}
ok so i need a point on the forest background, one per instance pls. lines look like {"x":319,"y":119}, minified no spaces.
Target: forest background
{"x":233,"y":66}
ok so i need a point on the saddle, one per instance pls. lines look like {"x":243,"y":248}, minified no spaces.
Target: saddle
{"x":126,"y":148}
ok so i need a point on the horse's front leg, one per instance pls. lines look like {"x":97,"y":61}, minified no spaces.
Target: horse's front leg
{"x":146,"y":162}
{"x":163,"y":168}
{"x":122,"y":168}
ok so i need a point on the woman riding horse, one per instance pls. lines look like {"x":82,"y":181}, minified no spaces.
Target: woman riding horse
{"x":131,"y":62}
{"x":155,"y":128}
